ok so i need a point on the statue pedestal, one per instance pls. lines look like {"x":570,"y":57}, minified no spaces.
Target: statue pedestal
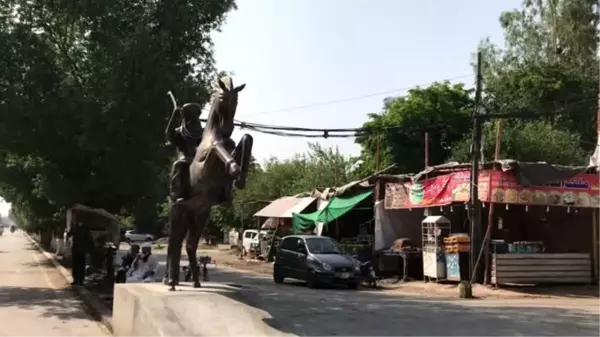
{"x":216,"y":309}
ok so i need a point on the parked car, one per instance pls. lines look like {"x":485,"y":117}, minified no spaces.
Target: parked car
{"x":251,"y":240}
{"x":133,"y":235}
{"x":316,"y":260}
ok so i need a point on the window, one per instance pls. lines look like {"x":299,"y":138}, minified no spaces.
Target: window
{"x":289,"y":244}
{"x":249,"y":235}
{"x":322,"y":245}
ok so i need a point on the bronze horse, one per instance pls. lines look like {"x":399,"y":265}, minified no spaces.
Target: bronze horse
{"x":218,"y":164}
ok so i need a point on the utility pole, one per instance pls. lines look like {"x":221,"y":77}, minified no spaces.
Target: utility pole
{"x":426,"y":149}
{"x":474,"y":204}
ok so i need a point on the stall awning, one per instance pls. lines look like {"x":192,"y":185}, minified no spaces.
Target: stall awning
{"x":336,"y":207}
{"x":284,"y":207}
{"x":299,"y":207}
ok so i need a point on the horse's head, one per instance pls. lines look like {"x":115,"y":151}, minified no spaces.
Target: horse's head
{"x":228,"y":95}
{"x":225,"y":105}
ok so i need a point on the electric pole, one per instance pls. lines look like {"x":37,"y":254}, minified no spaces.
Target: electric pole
{"x":474,"y":204}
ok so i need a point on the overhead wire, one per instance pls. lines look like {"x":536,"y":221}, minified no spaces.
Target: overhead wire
{"x":349,"y":99}
{"x":292,"y":131}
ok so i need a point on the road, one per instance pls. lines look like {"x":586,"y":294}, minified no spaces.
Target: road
{"x":320,"y":312}
{"x":35,"y":300}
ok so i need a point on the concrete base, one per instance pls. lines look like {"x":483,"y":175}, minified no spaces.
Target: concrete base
{"x":216,"y":309}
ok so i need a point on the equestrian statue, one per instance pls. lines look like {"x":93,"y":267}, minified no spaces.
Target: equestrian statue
{"x":209,"y":164}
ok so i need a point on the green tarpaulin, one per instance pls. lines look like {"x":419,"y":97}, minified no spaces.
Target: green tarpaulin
{"x":336,"y":207}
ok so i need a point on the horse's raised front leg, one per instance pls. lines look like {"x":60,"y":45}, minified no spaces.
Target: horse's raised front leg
{"x":223,"y":150}
{"x":194,"y":232}
{"x":177,"y":229}
{"x":242,"y":154}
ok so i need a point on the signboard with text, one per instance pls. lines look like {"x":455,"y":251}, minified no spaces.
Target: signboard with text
{"x":581,"y":190}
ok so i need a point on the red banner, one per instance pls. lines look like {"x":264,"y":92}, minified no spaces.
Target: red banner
{"x":580,"y":191}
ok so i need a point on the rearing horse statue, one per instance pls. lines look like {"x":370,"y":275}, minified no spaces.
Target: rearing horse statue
{"x":218,"y":165}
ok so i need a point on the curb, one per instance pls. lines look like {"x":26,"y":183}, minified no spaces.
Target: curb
{"x":90,"y":300}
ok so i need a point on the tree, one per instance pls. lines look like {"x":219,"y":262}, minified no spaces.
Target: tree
{"x":443,"y":110}
{"x":83,"y":99}
{"x":318,"y":168}
{"x":531,"y":141}
{"x":547,"y":65}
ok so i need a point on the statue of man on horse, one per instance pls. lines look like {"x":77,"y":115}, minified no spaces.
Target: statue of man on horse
{"x":209,"y":165}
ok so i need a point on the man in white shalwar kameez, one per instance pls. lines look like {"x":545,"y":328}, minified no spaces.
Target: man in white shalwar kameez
{"x":144,"y":266}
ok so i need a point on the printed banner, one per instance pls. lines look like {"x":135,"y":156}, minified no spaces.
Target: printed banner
{"x":580,"y":191}
{"x":438,"y":191}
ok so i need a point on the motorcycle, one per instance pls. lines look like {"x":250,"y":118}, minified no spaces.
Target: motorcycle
{"x":202,"y":261}
{"x":367,"y":272}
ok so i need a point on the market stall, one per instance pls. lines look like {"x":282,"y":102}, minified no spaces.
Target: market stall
{"x":542,"y":231}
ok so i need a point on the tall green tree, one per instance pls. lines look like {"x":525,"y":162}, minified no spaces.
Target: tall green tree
{"x":529,"y":141}
{"x":442,"y":110}
{"x":83,"y":98}
{"x":549,"y":65}
{"x":318,"y":168}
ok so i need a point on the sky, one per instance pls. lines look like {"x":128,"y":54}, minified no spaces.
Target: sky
{"x":308,"y":52}
{"x":4,"y":207}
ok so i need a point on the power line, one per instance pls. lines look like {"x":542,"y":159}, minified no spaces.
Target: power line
{"x":292,"y":131}
{"x":298,"y":107}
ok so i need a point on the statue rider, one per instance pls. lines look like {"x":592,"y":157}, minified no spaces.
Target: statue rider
{"x":186,"y":139}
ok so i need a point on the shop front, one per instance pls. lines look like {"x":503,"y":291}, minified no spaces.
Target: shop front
{"x":541,"y":233}
{"x":543,"y":222}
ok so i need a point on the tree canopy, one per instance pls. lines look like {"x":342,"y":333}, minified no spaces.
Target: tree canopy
{"x":83,"y":99}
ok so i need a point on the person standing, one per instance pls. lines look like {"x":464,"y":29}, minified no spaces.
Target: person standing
{"x":78,"y":251}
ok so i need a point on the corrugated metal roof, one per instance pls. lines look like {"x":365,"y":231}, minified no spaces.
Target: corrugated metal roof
{"x":299,"y":207}
{"x":284,"y":207}
{"x":277,"y":208}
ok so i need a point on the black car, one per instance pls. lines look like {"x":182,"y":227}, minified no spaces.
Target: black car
{"x":316,"y":260}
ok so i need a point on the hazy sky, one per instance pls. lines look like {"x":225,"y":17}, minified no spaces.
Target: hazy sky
{"x":302,"y":52}
{"x":4,"y":207}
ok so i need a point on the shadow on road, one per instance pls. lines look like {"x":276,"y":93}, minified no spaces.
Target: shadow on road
{"x":42,"y":263}
{"x":49,"y":302}
{"x":571,"y":291}
{"x":319,"y":312}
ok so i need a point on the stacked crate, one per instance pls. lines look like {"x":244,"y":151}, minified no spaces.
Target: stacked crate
{"x":457,"y":247}
{"x":457,"y":243}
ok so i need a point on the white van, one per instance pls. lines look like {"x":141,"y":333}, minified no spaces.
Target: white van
{"x":251,"y":240}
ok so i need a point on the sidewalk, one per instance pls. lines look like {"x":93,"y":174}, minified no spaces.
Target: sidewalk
{"x":35,"y":299}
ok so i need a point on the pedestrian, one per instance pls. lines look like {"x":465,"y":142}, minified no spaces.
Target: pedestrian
{"x":126,"y":263}
{"x":78,"y":251}
{"x":144,"y":267}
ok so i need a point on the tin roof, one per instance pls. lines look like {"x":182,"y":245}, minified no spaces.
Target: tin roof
{"x":284,"y":207}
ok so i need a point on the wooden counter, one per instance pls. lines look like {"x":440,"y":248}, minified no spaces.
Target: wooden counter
{"x":535,"y":268}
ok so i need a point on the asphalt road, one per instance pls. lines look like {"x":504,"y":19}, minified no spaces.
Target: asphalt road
{"x":35,"y":300}
{"x":298,"y":310}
